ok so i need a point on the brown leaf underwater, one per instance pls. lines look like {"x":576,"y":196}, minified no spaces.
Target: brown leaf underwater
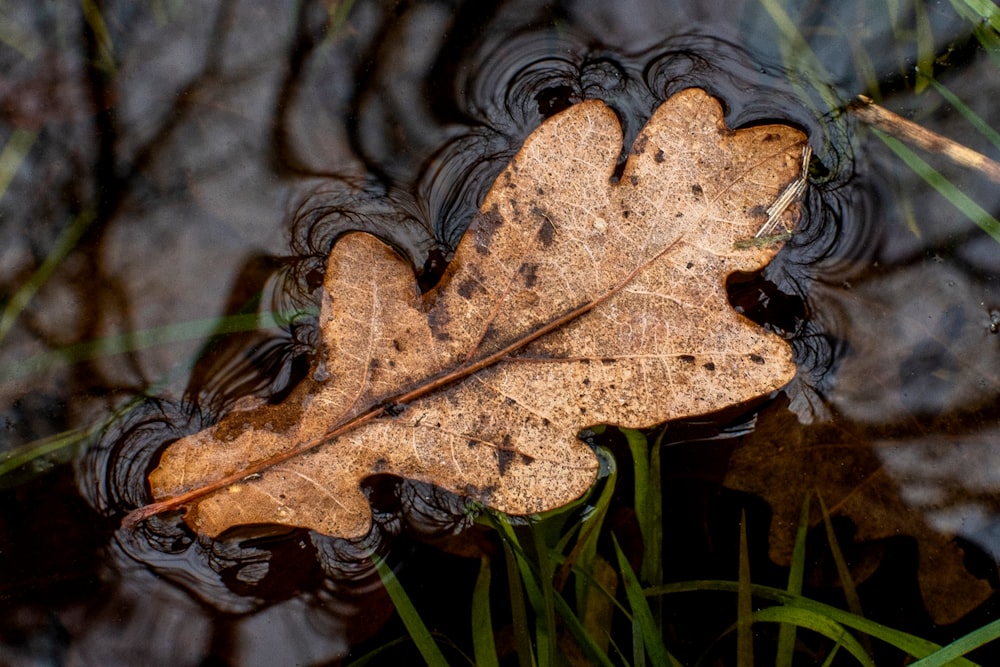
{"x":572,"y":300}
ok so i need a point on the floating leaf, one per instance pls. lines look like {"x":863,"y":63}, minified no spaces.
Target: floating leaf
{"x":574,"y":299}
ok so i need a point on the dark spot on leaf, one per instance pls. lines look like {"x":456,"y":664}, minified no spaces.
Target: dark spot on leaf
{"x":690,"y":264}
{"x":466,"y":289}
{"x":626,"y":213}
{"x":687,"y":358}
{"x":583,"y":410}
{"x":373,"y":364}
{"x":396,"y":345}
{"x":485,"y":225}
{"x":380,"y":465}
{"x":438,"y":320}
{"x":697,"y":190}
{"x":770,"y":136}
{"x":635,"y":180}
{"x":529,"y":271}
{"x":392,"y":364}
{"x":505,"y":455}
{"x":545,"y":421}
{"x":395,"y":409}
{"x":757,"y":359}
{"x":472,"y":444}
{"x":758,"y":212}
{"x":540,"y":191}
{"x":547,"y":231}
{"x":527,"y":460}
{"x":659,"y":157}
{"x":509,"y":401}
{"x":586,"y":382}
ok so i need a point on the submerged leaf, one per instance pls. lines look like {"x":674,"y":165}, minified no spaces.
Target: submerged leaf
{"x":574,"y":299}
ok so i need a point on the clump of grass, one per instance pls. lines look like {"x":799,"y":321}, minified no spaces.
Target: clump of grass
{"x":807,"y":70}
{"x":541,"y":554}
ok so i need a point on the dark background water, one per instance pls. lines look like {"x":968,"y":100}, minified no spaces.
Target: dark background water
{"x":184,"y":165}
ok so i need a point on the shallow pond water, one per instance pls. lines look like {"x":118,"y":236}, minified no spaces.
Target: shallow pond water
{"x":171,"y":171}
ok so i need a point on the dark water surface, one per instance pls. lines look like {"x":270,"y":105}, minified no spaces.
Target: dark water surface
{"x":176,"y":167}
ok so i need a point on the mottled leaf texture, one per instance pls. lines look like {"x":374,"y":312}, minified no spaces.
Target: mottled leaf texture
{"x":573,"y":299}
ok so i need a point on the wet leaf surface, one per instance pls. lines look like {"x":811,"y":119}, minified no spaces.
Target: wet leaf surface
{"x":574,"y":299}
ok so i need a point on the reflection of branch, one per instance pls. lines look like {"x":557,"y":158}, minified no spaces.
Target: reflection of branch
{"x":879,"y":117}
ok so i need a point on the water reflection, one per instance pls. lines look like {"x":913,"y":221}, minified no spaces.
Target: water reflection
{"x":208,"y":124}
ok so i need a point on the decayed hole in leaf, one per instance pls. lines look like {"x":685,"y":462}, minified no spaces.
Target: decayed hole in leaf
{"x":570,"y":301}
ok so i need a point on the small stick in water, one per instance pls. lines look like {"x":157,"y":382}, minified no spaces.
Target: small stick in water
{"x":879,"y":117}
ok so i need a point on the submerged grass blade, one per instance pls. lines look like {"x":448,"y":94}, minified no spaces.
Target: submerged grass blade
{"x":945,"y":188}
{"x":66,"y":241}
{"x":642,"y":615}
{"x":744,"y":603}
{"x":584,"y":639}
{"x":796,"y":573}
{"x":545,"y":616}
{"x":925,"y":46}
{"x":843,"y":571}
{"x":521,"y":581}
{"x":518,"y":609}
{"x":143,"y":339}
{"x":421,"y":636}
{"x":818,"y":623}
{"x":798,"y":55}
{"x":913,"y":645}
{"x":971,"y":116}
{"x":483,"y":645}
{"x":961,"y":646}
{"x":583,"y":556}
{"x":12,"y":156}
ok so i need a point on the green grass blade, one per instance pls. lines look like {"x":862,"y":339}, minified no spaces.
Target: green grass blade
{"x":516,"y":583}
{"x":830,"y":658}
{"x":946,"y":188}
{"x":648,"y":509}
{"x":483,"y":645}
{"x":545,"y":616}
{"x":583,"y":556}
{"x":796,"y":573}
{"x":798,"y":55}
{"x":66,"y":241}
{"x":925,"y":47}
{"x":105,"y":48}
{"x":843,"y":571}
{"x":961,"y":646}
{"x":13,"y":459}
{"x":818,"y":623}
{"x":971,"y":116}
{"x":744,"y":603}
{"x":376,"y":653}
{"x":652,"y":638}
{"x":584,"y":639}
{"x":978,"y":10}
{"x":914,"y":646}
{"x":421,"y":636}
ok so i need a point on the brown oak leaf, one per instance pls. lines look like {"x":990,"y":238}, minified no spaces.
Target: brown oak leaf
{"x":573,"y":299}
